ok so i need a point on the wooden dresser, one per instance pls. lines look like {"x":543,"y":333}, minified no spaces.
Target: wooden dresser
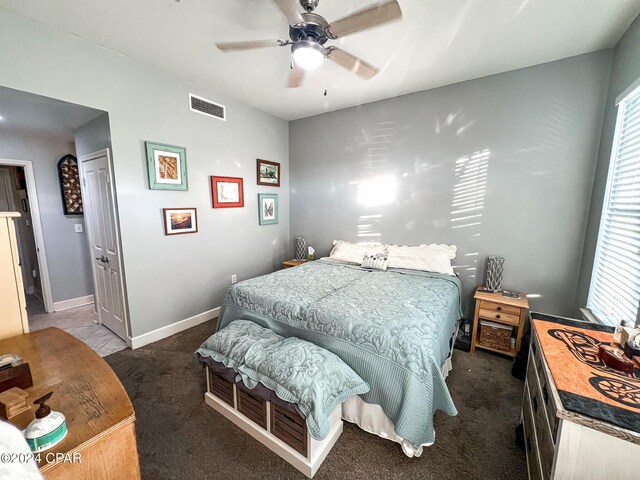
{"x":100,"y":417}
{"x":13,"y":313}
{"x":562,"y":444}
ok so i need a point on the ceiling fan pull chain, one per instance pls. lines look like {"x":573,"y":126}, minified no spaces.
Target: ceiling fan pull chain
{"x":325,"y":79}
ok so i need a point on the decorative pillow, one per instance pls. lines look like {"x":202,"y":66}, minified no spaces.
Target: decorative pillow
{"x":302,"y":373}
{"x":230,"y":345}
{"x":354,"y":252}
{"x":375,"y":261}
{"x":429,"y":258}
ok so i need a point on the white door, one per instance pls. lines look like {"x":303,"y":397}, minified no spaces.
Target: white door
{"x":102,"y":232}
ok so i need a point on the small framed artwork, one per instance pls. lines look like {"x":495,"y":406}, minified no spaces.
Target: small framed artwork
{"x":69,"y":178}
{"x":267,"y":208}
{"x":268,"y":173}
{"x":167,"y":166}
{"x":180,"y":220}
{"x":227,"y":192}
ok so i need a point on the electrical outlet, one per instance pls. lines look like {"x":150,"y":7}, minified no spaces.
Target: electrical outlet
{"x":466,"y":328}
{"x":233,"y":279}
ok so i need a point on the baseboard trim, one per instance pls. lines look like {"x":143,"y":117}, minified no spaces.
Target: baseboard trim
{"x":164,"y":332}
{"x":72,"y":303}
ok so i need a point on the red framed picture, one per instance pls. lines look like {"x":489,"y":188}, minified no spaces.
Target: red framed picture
{"x":227,"y":192}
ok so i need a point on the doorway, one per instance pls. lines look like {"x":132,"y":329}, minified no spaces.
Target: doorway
{"x":35,"y":134}
{"x":18,"y":194}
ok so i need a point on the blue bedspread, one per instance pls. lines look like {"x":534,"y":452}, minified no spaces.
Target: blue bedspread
{"x":392,"y":328}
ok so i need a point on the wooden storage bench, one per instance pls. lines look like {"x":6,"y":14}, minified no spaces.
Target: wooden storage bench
{"x":280,"y":429}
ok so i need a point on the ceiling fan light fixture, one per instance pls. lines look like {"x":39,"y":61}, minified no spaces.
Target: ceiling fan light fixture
{"x":308,"y":55}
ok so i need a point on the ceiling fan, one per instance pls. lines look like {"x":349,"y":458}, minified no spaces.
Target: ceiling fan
{"x":308,"y":32}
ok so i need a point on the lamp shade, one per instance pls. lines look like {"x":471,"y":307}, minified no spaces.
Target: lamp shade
{"x":495,"y":268}
{"x":301,"y":248}
{"x":308,"y":54}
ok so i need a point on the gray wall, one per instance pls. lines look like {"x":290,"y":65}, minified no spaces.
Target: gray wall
{"x":67,"y":251}
{"x":625,"y":70}
{"x":168,"y":278}
{"x":93,"y":136}
{"x":535,"y":134}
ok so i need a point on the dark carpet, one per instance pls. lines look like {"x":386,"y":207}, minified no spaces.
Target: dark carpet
{"x":180,"y":437}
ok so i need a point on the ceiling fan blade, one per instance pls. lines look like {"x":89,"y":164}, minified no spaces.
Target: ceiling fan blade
{"x":352,"y":63}
{"x":296,"y":77}
{"x":249,"y":45}
{"x":367,"y":18}
{"x":289,"y":8}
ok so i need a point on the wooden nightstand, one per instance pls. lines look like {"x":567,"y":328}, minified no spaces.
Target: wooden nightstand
{"x":495,"y":308}
{"x":293,"y":263}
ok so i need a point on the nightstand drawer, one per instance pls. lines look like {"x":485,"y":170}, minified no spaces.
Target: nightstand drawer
{"x":500,"y":316}
{"x":496,"y":307}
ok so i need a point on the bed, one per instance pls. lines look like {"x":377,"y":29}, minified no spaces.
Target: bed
{"x":394,"y":328}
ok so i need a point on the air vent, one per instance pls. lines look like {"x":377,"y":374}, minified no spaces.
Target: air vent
{"x":207,"y":107}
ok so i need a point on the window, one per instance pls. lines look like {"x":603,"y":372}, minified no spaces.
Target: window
{"x":614,"y":294}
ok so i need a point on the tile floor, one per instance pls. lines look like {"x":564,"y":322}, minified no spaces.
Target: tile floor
{"x":79,"y":322}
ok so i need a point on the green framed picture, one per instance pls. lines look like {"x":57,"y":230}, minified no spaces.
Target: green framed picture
{"x":267,"y":208}
{"x":167,"y":166}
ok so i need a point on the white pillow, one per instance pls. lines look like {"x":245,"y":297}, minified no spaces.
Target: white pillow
{"x":354,"y":252}
{"x":429,"y":258}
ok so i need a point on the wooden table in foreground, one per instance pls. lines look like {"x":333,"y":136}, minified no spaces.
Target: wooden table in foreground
{"x":100,"y":417}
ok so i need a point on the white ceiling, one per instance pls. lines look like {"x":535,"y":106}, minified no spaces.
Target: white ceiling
{"x":27,"y":113}
{"x":438,"y":42}
{"x":23,"y":112}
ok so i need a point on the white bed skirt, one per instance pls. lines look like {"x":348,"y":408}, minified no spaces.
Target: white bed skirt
{"x":372,"y":419}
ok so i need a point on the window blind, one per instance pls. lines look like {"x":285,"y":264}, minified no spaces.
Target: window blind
{"x":614,"y":294}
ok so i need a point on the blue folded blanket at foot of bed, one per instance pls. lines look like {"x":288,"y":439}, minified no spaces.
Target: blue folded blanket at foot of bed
{"x":296,"y":371}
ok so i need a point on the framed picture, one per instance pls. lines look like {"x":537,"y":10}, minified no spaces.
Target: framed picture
{"x":69,"y":177}
{"x":167,"y":166}
{"x":180,"y":220}
{"x":268,"y":208}
{"x":268,"y":173}
{"x":227,"y":192}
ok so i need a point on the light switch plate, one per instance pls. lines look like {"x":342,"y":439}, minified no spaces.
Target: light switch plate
{"x":78,"y":227}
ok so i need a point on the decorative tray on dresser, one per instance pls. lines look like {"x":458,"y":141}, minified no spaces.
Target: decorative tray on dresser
{"x":581,"y":418}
